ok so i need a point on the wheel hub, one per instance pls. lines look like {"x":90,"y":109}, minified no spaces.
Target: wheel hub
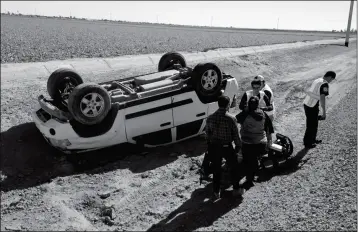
{"x":92,"y":105}
{"x":209,"y":79}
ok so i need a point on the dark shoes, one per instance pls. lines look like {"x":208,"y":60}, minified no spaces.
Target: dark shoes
{"x":215,"y":197}
{"x":309,"y":146}
{"x":238,"y":192}
{"x":248,"y":184}
{"x":313,"y":145}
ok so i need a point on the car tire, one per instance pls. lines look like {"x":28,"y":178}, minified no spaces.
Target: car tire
{"x":207,"y":79}
{"x":169,"y":59}
{"x":89,"y":103}
{"x":61,"y":79}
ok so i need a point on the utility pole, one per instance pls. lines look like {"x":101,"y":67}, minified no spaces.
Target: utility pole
{"x":278,"y":20}
{"x":349,"y":23}
{"x":157,"y":19}
{"x":212,"y":17}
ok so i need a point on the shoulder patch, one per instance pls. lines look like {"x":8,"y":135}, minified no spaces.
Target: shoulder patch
{"x":325,"y":89}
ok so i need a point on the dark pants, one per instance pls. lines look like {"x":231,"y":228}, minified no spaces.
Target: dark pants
{"x":251,"y":153}
{"x":216,"y":153}
{"x":207,"y":166}
{"x":311,"y":124}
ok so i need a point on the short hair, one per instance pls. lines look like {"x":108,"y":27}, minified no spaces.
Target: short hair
{"x":223,"y":101}
{"x":253,"y":103}
{"x":330,"y":74}
{"x":255,"y":83}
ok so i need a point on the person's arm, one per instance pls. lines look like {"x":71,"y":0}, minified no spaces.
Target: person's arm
{"x":323,"y":94}
{"x":235,"y":135}
{"x":208,"y":130}
{"x":268,"y":129}
{"x":243,"y":102}
{"x":240,"y":117}
{"x":268,"y":107}
{"x":268,"y":94}
{"x":323,"y":105}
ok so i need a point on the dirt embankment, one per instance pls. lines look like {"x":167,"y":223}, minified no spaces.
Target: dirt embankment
{"x":112,"y":190}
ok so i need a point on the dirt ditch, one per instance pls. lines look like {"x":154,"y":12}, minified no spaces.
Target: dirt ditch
{"x":119,"y":189}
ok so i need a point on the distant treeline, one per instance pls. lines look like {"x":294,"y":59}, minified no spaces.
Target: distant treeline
{"x":167,"y":24}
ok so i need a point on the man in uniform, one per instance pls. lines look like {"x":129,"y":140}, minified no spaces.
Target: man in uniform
{"x":316,"y":93}
{"x":268,"y":91}
{"x":221,"y":131}
{"x":264,"y":101}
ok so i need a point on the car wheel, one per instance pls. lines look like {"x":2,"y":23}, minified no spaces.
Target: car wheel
{"x":169,"y":60}
{"x":89,"y":103}
{"x":61,"y":83}
{"x":207,"y":79}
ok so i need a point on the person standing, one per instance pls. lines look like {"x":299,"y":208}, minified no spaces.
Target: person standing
{"x":316,"y":94}
{"x":256,"y":135}
{"x":268,"y":91}
{"x":264,"y":102}
{"x":221,"y":131}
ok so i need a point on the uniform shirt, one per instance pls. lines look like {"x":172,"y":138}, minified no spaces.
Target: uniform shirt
{"x":268,"y":94}
{"x":243,"y":102}
{"x":221,"y":128}
{"x":324,"y":89}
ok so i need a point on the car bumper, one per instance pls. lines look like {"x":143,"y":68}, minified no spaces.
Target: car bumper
{"x":53,"y":110}
{"x":65,"y":138}
{"x":46,"y":125}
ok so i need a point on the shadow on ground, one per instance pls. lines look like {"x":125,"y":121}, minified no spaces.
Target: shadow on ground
{"x":198,"y":211}
{"x":27,"y":160}
{"x":293,"y":164}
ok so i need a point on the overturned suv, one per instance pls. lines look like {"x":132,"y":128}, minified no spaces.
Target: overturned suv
{"x":154,"y":109}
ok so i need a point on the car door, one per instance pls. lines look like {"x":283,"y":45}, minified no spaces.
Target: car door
{"x":189,"y":115}
{"x":150,"y":122}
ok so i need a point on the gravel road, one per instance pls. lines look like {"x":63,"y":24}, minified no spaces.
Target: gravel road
{"x":114,"y":189}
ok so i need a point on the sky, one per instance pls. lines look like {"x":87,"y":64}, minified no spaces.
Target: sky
{"x":297,"y":15}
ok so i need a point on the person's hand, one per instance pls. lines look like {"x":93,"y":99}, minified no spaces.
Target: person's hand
{"x":268,"y":144}
{"x":322,"y":117}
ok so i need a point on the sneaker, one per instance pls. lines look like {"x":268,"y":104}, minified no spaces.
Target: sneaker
{"x":238,"y":192}
{"x":248,"y":184}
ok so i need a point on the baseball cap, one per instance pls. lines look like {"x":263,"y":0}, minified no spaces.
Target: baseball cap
{"x":259,"y":78}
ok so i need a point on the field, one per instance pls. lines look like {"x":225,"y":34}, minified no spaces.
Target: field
{"x":315,"y":191}
{"x":30,"y":39}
